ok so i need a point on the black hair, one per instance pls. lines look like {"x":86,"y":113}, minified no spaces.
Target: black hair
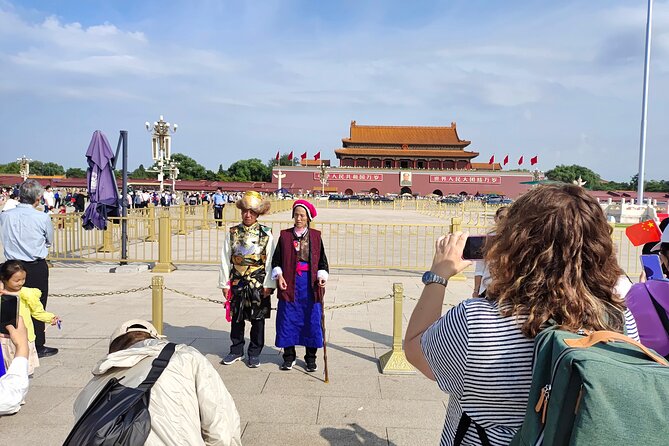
{"x":9,"y":268}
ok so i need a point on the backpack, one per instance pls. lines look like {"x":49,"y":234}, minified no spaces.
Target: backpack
{"x":590,"y":390}
{"x":649,"y":303}
{"x":119,"y":415}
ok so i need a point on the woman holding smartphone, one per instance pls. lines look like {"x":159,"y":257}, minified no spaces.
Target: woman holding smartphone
{"x":552,"y":258}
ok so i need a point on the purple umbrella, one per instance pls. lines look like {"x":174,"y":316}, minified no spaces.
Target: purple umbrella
{"x":102,"y":188}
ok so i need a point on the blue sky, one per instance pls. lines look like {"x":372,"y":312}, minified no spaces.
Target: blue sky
{"x":244,"y":79}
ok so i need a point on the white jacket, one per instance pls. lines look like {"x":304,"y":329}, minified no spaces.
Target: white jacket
{"x":189,"y":403}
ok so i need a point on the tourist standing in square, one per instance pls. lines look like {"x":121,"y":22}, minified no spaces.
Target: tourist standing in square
{"x":245,"y":261}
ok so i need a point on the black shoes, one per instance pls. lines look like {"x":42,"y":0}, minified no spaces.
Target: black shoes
{"x":287,"y":365}
{"x":45,"y":351}
{"x":311,"y":367}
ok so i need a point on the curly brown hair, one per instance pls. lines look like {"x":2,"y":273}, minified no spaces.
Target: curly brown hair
{"x":553,"y":258}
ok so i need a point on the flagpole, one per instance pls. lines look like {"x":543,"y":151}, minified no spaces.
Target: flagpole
{"x":644,"y":106}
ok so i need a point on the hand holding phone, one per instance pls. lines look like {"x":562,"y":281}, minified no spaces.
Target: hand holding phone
{"x":474,"y":247}
{"x":9,"y":312}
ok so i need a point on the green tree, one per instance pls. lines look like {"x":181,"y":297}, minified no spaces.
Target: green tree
{"x":250,"y":170}
{"x":12,"y":167}
{"x":75,"y":172}
{"x":189,"y":169}
{"x":568,"y":174}
{"x":139,"y":173}
{"x":46,"y":169}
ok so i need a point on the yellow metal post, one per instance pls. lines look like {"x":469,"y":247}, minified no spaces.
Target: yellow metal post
{"x":151,"y":212}
{"x":182,"y":219}
{"x":164,"y":264}
{"x":108,"y":238}
{"x":456,"y":225}
{"x":205,"y":215}
{"x":395,"y":362}
{"x":157,"y":287}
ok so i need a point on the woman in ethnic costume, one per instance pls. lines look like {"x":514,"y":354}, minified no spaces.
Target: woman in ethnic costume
{"x":245,"y":261}
{"x":301,"y":269}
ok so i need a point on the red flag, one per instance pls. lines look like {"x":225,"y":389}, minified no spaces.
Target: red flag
{"x":290,"y":156}
{"x":303,"y":156}
{"x":534,"y":160}
{"x":317,"y":156}
{"x":520,"y":160}
{"x":644,"y":232}
{"x":506,"y":160}
{"x":277,"y":155}
{"x":492,"y":160}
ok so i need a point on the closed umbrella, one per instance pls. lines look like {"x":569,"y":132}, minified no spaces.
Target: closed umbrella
{"x":102,"y":188}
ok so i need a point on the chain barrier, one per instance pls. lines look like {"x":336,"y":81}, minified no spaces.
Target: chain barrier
{"x":105,"y":293}
{"x":222,"y":302}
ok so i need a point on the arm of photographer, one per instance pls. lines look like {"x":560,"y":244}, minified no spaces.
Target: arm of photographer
{"x":447,"y":262}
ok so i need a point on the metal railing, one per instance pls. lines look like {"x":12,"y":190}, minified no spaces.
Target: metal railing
{"x":189,"y":235}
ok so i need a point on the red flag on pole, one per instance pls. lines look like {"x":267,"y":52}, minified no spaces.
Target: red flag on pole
{"x":290,"y":156}
{"x":492,"y":160}
{"x":303,"y":156}
{"x":277,"y":155}
{"x":317,"y":156}
{"x":644,"y":232}
{"x":506,"y":160}
{"x":534,"y":160}
{"x":520,"y":160}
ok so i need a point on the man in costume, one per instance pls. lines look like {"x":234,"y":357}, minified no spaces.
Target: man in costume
{"x":301,"y":269}
{"x":245,"y":260}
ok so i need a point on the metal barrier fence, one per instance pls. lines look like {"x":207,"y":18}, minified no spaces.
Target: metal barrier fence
{"x":189,"y":235}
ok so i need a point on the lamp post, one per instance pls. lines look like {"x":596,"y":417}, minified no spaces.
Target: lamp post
{"x":323,"y":175}
{"x":174,"y":173}
{"x":161,"y":145}
{"x":24,"y":167}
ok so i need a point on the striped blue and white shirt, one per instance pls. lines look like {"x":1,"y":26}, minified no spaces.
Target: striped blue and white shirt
{"x":484,"y":362}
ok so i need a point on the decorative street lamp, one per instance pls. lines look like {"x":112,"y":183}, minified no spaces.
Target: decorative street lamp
{"x":174,"y":173}
{"x":161,"y":147}
{"x":323,"y":175}
{"x":24,"y":167}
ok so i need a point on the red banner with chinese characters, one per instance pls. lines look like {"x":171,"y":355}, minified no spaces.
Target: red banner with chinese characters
{"x":351,"y":176}
{"x":465,"y":179}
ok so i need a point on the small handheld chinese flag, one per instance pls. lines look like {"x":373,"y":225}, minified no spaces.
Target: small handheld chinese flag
{"x":492,"y":160}
{"x":644,"y":232}
{"x":506,"y":160}
{"x":317,"y":156}
{"x":534,"y":160}
{"x":520,"y":160}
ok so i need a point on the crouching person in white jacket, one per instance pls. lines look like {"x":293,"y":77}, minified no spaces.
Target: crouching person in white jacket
{"x":189,"y":403}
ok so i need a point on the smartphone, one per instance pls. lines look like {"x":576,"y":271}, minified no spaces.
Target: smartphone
{"x":474,"y":247}
{"x":652,"y":266}
{"x":9,"y":311}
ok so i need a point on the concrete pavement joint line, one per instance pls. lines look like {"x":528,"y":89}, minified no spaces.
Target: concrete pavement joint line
{"x":265,"y":383}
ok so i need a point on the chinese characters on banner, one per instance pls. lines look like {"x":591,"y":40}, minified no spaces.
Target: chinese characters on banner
{"x":465,"y":179}
{"x":351,"y":176}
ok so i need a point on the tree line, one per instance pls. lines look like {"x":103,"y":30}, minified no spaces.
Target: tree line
{"x":255,"y":170}
{"x":189,"y":169}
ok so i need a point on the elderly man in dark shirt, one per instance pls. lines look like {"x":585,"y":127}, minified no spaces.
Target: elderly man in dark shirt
{"x":26,"y":235}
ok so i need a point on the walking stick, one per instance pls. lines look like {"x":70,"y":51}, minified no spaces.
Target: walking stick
{"x":325,"y":349}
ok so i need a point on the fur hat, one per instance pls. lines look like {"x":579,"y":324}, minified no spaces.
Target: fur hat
{"x":310,"y":208}
{"x":252,"y":200}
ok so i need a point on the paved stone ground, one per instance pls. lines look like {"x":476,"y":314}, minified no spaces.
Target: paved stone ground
{"x":360,"y":406}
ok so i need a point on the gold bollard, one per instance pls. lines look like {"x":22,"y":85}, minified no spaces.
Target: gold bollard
{"x":164,"y":264}
{"x":456,"y":225}
{"x":182,"y":219}
{"x":151,"y":222}
{"x":205,"y":215}
{"x":157,"y":287}
{"x":395,"y":362}
{"x":108,"y":238}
